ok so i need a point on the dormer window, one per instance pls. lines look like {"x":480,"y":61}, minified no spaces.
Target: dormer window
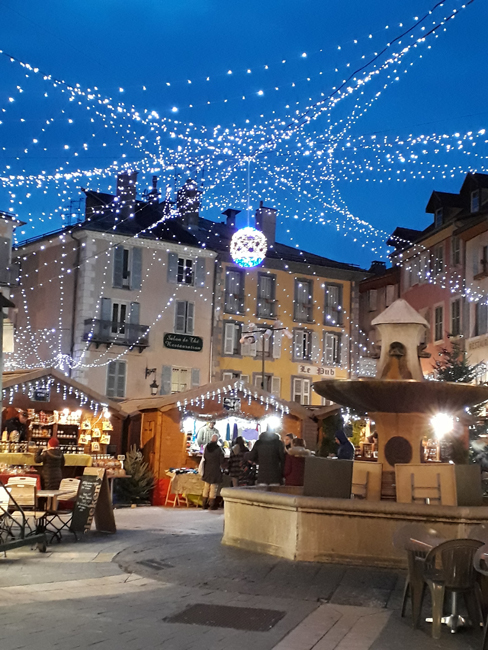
{"x":438,"y":217}
{"x":475,"y":201}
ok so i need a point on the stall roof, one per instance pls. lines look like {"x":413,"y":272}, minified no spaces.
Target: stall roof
{"x":167,"y":402}
{"x":16,"y":377}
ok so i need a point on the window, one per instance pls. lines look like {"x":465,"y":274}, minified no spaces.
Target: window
{"x":475,"y":201}
{"x":391,"y":292}
{"x":415,"y":271}
{"x":424,"y":267}
{"x":332,"y":349}
{"x":481,"y":319}
{"x":232,"y":335}
{"x":234,"y":292}
{"x":230,"y":375}
{"x":438,"y":218}
{"x":119,"y":317}
{"x":301,"y":390}
{"x":127,"y":267}
{"x":406,"y":276}
{"x":456,"y":317}
{"x":116,"y":376}
{"x":185,"y":271}
{"x":184,"y":317}
{"x":258,"y":380}
{"x":456,"y":251}
{"x":180,"y":378}
{"x":303,"y":301}
{"x":484,"y":261}
{"x":333,"y":304}
{"x":438,"y":323}
{"x":302,"y":345}
{"x":266,"y":296}
{"x":372,"y":300}
{"x":438,"y":261}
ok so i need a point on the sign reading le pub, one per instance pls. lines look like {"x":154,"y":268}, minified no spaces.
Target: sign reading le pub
{"x":320,"y":371}
{"x":183,"y":342}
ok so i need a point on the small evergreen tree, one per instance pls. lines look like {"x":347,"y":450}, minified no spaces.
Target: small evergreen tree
{"x":453,"y":365}
{"x":137,"y":488}
{"x":330,"y":425}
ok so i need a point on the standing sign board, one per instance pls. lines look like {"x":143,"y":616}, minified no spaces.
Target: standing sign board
{"x":93,"y":502}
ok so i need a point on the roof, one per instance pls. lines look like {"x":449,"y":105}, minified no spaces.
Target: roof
{"x":403,"y":237}
{"x":167,"y":402}
{"x":444,"y":199}
{"x":399,"y":312}
{"x":216,"y":235}
{"x":16,"y":377}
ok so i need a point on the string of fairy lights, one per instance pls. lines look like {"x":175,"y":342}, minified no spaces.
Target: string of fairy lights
{"x":290,"y":160}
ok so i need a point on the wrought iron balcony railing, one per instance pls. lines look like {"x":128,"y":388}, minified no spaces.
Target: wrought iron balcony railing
{"x":107,"y":332}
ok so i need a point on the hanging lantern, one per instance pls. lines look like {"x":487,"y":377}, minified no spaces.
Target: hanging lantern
{"x":248,"y":247}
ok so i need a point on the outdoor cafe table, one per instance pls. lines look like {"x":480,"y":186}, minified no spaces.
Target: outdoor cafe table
{"x":52,"y":497}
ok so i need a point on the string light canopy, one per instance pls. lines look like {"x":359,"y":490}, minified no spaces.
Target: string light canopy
{"x":248,"y":247}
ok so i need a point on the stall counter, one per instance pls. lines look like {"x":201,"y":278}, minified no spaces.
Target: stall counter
{"x":70,"y":460}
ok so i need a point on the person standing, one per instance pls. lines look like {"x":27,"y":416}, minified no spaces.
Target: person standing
{"x":17,"y":422}
{"x":236,"y":462}
{"x":205,"y":434}
{"x":295,"y":462}
{"x":289,"y":438}
{"x":269,"y":454}
{"x":52,"y":460}
{"x":213,"y":457}
{"x":346,"y":448}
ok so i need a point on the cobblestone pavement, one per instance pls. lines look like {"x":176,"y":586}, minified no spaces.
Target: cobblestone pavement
{"x":119,"y":592}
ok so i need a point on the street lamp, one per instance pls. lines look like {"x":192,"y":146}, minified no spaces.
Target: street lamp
{"x":154,"y":387}
{"x":265,"y":331}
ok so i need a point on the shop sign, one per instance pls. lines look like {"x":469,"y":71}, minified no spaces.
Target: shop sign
{"x":41,"y":395}
{"x":183,"y":342}
{"x":324,"y":372}
{"x":232,"y":404}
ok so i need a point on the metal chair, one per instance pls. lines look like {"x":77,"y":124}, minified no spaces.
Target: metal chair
{"x":416,"y":554}
{"x":449,"y":568}
{"x":59,"y":520}
{"x":480,"y":563}
{"x":23,"y":508}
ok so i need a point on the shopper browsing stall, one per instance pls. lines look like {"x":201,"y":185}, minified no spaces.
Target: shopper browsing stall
{"x":213,"y":457}
{"x":52,"y":460}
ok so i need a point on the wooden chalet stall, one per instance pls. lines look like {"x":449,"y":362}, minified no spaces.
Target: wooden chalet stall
{"x":169,"y":425}
{"x":89,"y":426}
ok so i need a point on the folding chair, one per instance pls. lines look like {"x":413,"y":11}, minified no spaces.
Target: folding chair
{"x":22,"y":480}
{"x":360,"y":490}
{"x":24,"y":497}
{"x":430,"y":492}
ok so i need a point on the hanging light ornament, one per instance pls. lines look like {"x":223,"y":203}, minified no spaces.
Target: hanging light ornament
{"x":248,"y":247}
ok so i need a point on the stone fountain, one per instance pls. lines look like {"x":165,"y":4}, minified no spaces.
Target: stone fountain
{"x":282,"y":521}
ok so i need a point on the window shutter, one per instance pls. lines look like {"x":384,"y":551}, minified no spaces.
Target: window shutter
{"x":200,"y":274}
{"x":240,"y":287}
{"x":190,"y":319}
{"x":180,"y":316}
{"x":111,"y":378}
{"x":121,"y":373}
{"x":305,"y":392}
{"x":106,"y":317}
{"x":118,"y":267}
{"x":315,"y":348}
{"x":277,"y":339}
{"x":328,"y":348}
{"x":244,"y":378}
{"x":166,"y":380}
{"x":229,"y":337}
{"x":339,"y":303}
{"x":227,"y":376}
{"x":342,"y":352}
{"x":134,"y":315}
{"x":172,"y":267}
{"x":276,"y":386}
{"x":195,"y":377}
{"x":136,"y":271}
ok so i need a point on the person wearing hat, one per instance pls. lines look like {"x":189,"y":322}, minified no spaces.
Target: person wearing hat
{"x":17,"y":421}
{"x":52,"y":460}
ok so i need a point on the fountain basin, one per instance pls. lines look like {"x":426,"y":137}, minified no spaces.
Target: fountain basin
{"x":342,"y":531}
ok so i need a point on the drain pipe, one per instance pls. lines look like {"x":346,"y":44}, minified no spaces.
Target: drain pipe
{"x":75,"y":296}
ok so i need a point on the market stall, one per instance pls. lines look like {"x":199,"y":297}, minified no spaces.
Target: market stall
{"x":44,"y":403}
{"x":174,"y":428}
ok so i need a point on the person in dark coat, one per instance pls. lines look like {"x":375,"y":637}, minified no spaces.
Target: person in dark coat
{"x":17,"y":422}
{"x":52,"y":460}
{"x":213,"y":457}
{"x":346,"y":448}
{"x":295,"y":462}
{"x":236,"y":463}
{"x":269,"y":454}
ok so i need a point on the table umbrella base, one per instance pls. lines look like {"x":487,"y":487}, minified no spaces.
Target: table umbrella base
{"x":453,"y":622}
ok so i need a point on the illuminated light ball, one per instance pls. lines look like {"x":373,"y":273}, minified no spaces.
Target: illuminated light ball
{"x":248,"y":247}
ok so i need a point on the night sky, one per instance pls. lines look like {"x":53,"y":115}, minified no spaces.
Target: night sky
{"x":131,"y":51}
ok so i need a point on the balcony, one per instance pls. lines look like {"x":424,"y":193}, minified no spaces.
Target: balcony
{"x":106,"y":332}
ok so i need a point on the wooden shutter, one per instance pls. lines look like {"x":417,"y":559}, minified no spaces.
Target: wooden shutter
{"x":305,"y":392}
{"x":240,"y":291}
{"x":166,"y":380}
{"x":106,"y":317}
{"x":190,"y":319}
{"x":136,"y":270}
{"x":315,"y":348}
{"x":200,"y":274}
{"x":121,"y":374}
{"x":276,"y":386}
{"x":195,"y":377}
{"x":111,"y":378}
{"x":173,"y":268}
{"x":277,"y":340}
{"x":118,"y":267}
{"x":328,"y":348}
{"x":229,"y":337}
{"x":134,"y":314}
{"x":180,"y":316}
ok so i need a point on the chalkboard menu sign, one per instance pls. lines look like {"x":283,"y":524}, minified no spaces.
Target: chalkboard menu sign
{"x":93,"y":502}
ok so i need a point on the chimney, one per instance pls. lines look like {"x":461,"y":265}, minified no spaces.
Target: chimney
{"x":377,"y":267}
{"x":126,"y":193}
{"x":188,"y":204}
{"x":154,"y":193}
{"x":231,"y":215}
{"x":266,"y":222}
